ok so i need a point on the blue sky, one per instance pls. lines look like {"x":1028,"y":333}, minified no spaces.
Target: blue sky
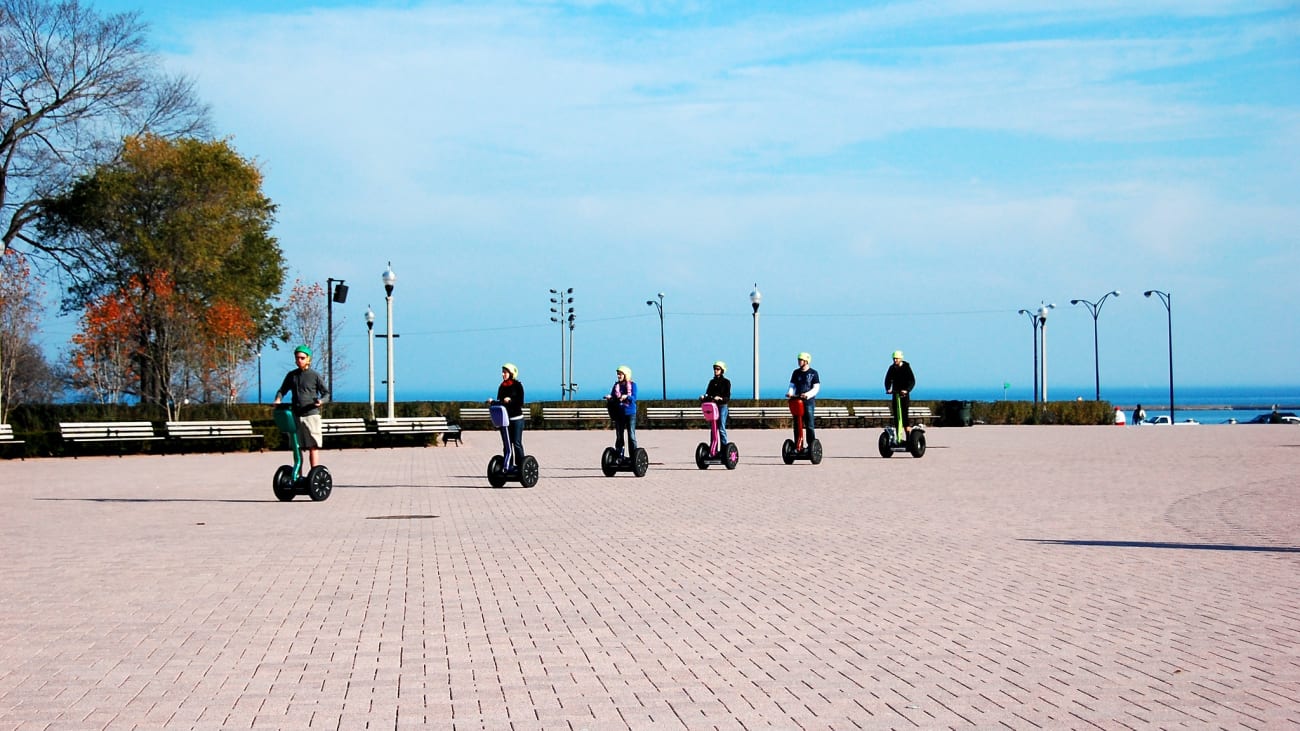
{"x":891,"y":175}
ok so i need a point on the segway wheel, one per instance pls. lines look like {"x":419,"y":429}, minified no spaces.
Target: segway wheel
{"x":320,"y":483}
{"x":733,"y":457}
{"x":815,"y":452}
{"x":609,"y":461}
{"x":916,"y":443}
{"x":701,"y":454}
{"x":529,"y":472}
{"x":496,"y":471}
{"x":787,"y":451}
{"x":282,"y":483}
{"x":641,"y":463}
{"x":886,"y":445}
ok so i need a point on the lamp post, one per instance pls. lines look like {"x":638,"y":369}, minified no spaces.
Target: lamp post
{"x":389,"y":280}
{"x":370,"y":336}
{"x":573,"y":387}
{"x":663,"y":366}
{"x":1033,"y":322}
{"x":1165,"y":298}
{"x":755,"y":297}
{"x":1094,"y":308}
{"x":335,"y":291}
{"x":259,"y":377}
{"x":561,"y":311}
{"x":1042,"y":335}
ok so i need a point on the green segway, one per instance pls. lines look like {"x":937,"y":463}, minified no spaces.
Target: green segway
{"x":891,"y":439}
{"x":289,"y":480}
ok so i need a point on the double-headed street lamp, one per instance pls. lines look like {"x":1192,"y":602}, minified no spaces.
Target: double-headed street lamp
{"x":1038,"y":319}
{"x":755,"y":298}
{"x":663,"y":367}
{"x":1169,"y":316}
{"x":1095,"y":309}
{"x":370,"y":336}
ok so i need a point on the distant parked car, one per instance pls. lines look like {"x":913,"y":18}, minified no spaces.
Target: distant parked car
{"x":1163,"y":420}
{"x":1276,"y":417}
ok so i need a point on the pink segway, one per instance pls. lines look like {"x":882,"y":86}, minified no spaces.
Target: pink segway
{"x":792,"y":449}
{"x":715,"y":452}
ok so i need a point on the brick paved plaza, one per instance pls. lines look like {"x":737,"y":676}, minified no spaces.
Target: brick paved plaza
{"x":1015,"y":577}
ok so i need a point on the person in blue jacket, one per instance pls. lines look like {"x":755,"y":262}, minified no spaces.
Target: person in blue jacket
{"x":804,"y":384}
{"x":621,"y":403}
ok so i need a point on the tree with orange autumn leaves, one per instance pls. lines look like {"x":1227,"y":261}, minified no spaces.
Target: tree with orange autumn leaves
{"x":177,"y":274}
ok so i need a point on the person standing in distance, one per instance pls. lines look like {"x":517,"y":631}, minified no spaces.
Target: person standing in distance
{"x":719,"y":392}
{"x":309,"y":393}
{"x":804,"y":384}
{"x":899,"y":380}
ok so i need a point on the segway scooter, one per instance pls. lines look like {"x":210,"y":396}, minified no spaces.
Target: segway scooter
{"x":289,"y":480}
{"x":612,"y":461}
{"x":715,"y":452}
{"x":502,"y":468}
{"x":791,"y":449}
{"x":889,"y":441}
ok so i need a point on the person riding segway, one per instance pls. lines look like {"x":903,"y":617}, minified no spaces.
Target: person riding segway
{"x":507,"y":412}
{"x":899,"y":436}
{"x":805,"y":383}
{"x":300,"y":419}
{"x":621,"y":402}
{"x":713,"y":404}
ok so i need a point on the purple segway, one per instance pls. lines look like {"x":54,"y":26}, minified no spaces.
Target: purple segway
{"x":502,"y":468}
{"x":715,"y":452}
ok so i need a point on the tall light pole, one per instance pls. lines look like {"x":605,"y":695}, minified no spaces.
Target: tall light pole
{"x":1042,"y":334}
{"x":561,"y":309}
{"x":259,"y":376}
{"x":571,"y":385}
{"x":370,"y":336}
{"x":389,"y":280}
{"x":663,"y":366}
{"x":335,"y":291}
{"x":1169,"y":316}
{"x":1095,"y":309}
{"x":755,"y":298}
{"x":1033,"y":322}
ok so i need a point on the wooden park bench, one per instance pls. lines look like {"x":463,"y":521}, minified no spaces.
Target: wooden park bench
{"x":189,"y":430}
{"x":475,"y":414}
{"x":7,"y":437}
{"x":573,"y":413}
{"x":879,"y":415}
{"x":79,"y":432}
{"x":412,"y":425}
{"x":345,"y":426}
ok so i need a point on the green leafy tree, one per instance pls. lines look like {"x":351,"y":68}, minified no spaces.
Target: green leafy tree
{"x":181,"y":226}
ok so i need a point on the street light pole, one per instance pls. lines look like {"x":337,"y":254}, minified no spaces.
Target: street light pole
{"x":1042,"y":334}
{"x":755,"y":298}
{"x":333,"y":294}
{"x":563,"y":312}
{"x":663,"y":366}
{"x":1094,"y":308}
{"x":370,"y":336}
{"x":1033,"y":322}
{"x":389,"y":280}
{"x":1166,"y":298}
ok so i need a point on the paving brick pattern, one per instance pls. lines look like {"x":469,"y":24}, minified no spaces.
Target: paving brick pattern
{"x":1015,"y":577}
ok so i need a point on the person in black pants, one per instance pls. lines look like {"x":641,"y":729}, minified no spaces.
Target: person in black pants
{"x":899,"y":380}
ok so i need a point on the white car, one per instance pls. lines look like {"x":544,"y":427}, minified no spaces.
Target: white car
{"x":1163,"y":420}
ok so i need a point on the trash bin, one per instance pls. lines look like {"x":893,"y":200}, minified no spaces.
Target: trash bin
{"x":963,"y":414}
